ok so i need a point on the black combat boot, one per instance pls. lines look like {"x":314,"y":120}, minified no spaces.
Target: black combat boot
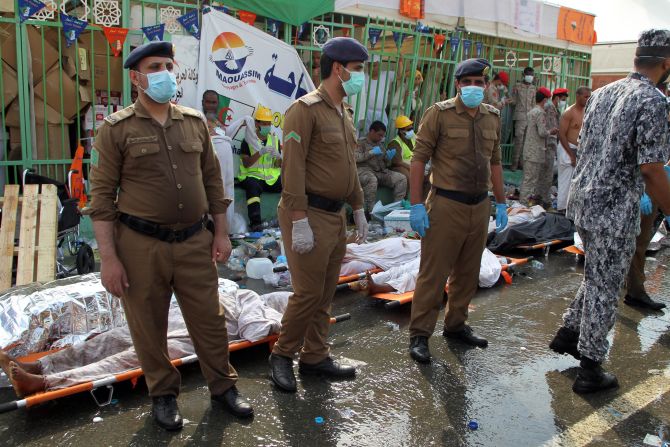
{"x":565,"y":342}
{"x":466,"y":336}
{"x":281,"y":373}
{"x":327,"y":368}
{"x":166,"y":412}
{"x":418,"y":349}
{"x":644,"y":302}
{"x":592,"y":378}
{"x":233,"y":402}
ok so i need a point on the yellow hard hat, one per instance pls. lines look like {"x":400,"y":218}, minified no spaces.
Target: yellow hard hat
{"x":263,"y":114}
{"x":402,"y":121}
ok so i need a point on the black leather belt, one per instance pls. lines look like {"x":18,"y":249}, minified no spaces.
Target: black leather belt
{"x":325,"y":204}
{"x":462,"y":197}
{"x":162,"y":233}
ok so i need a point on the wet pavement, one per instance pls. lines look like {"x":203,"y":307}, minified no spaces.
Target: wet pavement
{"x":517,"y":390}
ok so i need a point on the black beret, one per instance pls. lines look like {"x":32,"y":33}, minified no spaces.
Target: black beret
{"x":345,"y":49}
{"x":473,"y":67}
{"x":161,"y":49}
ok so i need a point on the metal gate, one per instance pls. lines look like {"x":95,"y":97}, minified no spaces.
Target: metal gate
{"x":53,"y":97}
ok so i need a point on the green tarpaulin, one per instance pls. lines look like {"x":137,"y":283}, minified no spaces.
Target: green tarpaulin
{"x":295,"y":12}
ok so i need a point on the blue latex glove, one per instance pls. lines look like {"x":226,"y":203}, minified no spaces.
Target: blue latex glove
{"x":390,"y":154}
{"x":501,"y":216}
{"x":645,"y":204}
{"x":667,"y":220}
{"x":376,"y":150}
{"x":667,"y":170}
{"x":418,"y":219}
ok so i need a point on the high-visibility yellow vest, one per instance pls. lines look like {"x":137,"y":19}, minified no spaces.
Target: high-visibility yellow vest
{"x":406,"y":151}
{"x":264,"y":168}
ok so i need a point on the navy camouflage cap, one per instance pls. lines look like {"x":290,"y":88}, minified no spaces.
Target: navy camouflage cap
{"x":160,"y":49}
{"x":473,"y":67}
{"x":653,"y":43}
{"x":345,"y":49}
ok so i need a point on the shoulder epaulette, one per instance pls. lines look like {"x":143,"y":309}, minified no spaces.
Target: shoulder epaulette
{"x":188,"y":111}
{"x":310,"y":99}
{"x":119,"y":116}
{"x":448,"y":104}
{"x":492,"y":109}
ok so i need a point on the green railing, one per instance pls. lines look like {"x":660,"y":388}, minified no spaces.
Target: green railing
{"x":50,"y":93}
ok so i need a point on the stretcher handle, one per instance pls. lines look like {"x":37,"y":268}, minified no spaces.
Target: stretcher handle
{"x":342,"y":287}
{"x":340,"y":318}
{"x":8,"y":406}
{"x":393,"y":304}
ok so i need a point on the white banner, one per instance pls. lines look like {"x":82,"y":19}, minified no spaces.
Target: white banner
{"x":248,"y":68}
{"x":528,"y":16}
{"x":186,"y":70}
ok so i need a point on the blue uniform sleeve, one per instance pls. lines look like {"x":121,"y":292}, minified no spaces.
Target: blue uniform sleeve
{"x":651,"y":133}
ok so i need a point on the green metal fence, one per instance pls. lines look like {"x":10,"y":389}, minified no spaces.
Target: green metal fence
{"x":52,"y":95}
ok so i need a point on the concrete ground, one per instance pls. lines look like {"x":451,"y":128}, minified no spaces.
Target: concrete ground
{"x":518,"y":391}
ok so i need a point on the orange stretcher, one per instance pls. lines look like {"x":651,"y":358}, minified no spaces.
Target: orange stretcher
{"x":574,"y":250}
{"x":133,"y":374}
{"x":398,"y":299}
{"x":357,"y":277}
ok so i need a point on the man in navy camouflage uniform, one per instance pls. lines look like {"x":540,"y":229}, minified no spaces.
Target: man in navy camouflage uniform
{"x":624,"y":141}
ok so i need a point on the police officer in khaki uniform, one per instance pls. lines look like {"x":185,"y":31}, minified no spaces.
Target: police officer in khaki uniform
{"x":319,"y":174}
{"x":154,"y":177}
{"x":461,"y":137}
{"x":523,"y":100}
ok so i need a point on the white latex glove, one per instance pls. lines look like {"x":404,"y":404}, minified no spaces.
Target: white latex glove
{"x":361,"y":226}
{"x":276,"y":154}
{"x":266,"y":150}
{"x":303,"y":238}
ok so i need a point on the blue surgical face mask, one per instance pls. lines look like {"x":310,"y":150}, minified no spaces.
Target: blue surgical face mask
{"x":265,"y":131}
{"x":354,"y":85}
{"x":472,"y":96}
{"x":162,"y":86}
{"x":409,"y":134}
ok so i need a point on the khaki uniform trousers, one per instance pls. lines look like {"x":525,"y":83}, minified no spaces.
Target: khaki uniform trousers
{"x":636,"y":277}
{"x":532,"y":181}
{"x":452,"y":248}
{"x":520,"y":127}
{"x":314,"y":277}
{"x":155,"y":269}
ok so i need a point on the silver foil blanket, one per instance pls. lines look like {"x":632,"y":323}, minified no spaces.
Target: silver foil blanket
{"x":39,"y":317}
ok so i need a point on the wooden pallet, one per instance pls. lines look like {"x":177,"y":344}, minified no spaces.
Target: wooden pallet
{"x":38,"y":228}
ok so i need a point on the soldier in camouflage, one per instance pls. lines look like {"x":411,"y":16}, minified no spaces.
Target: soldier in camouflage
{"x":373,"y":162}
{"x":523,"y":100}
{"x":624,"y":141}
{"x":535,"y":150}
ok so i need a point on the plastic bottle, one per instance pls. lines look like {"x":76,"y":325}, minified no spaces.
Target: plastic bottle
{"x":235,"y":264}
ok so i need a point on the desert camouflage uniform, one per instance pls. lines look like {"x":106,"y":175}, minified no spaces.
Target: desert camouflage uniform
{"x":373,"y":170}
{"x":547,"y":179}
{"x":523,"y":100}
{"x":625,"y":126}
{"x":534,"y":154}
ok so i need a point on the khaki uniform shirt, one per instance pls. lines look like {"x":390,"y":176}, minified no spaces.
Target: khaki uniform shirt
{"x":165,"y":174}
{"x":535,"y":143}
{"x":523,"y":99}
{"x":460,"y":147}
{"x":553,"y":117}
{"x":319,"y":145}
{"x":364,"y":159}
